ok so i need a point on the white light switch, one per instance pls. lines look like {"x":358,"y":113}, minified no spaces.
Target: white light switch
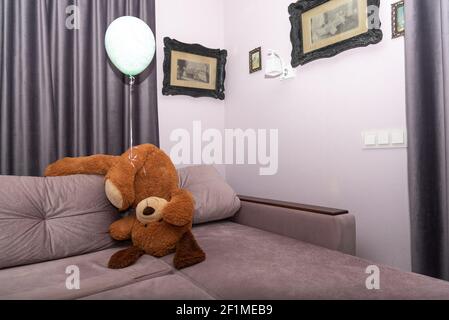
{"x":397,"y":137}
{"x":370,"y":139}
{"x":383,"y":138}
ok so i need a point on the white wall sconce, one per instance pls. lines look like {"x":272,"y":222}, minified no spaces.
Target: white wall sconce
{"x":275,"y":67}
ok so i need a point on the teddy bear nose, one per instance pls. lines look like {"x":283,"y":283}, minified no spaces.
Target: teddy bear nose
{"x":148,"y":211}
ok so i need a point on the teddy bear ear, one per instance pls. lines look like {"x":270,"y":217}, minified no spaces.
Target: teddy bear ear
{"x":188,"y":252}
{"x":113,"y":194}
{"x":124,"y":258}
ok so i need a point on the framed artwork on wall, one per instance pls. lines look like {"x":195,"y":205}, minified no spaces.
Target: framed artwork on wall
{"x":324,"y":28}
{"x":255,"y":60}
{"x":397,"y":19}
{"x":193,"y":70}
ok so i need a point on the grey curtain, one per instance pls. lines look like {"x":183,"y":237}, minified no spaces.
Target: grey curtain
{"x":59,"y":94}
{"x":427,"y":74}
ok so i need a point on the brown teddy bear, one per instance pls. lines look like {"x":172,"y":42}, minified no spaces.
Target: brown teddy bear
{"x":143,"y":178}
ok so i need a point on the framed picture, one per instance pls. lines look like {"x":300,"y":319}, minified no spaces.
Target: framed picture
{"x":324,"y":28}
{"x":255,"y":60}
{"x":397,"y":19}
{"x":193,"y":70}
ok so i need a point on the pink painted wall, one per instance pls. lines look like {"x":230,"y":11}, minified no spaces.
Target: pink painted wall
{"x":192,"y":21}
{"x":320,"y":116}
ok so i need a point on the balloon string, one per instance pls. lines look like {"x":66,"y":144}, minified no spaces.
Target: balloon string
{"x":131,"y":87}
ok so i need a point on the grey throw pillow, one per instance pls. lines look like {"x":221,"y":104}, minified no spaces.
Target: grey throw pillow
{"x":214,"y":198}
{"x":50,"y":218}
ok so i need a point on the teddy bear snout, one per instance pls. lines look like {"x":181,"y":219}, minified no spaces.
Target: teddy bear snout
{"x":148,"y":211}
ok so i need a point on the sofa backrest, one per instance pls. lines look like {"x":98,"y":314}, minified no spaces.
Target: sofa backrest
{"x":50,"y":218}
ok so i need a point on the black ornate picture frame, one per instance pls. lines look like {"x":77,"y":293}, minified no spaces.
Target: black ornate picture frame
{"x":255,"y":60}
{"x":296,"y":11}
{"x":194,"y":82}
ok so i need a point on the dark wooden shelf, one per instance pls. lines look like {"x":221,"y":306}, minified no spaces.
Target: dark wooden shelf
{"x":295,"y":206}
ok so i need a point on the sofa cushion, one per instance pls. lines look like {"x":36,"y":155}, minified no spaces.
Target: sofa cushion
{"x":47,"y":280}
{"x":214,"y":198}
{"x":49,"y":218}
{"x":248,"y":263}
{"x":168,"y":287}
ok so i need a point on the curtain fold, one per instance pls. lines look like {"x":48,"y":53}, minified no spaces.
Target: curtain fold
{"x":427,"y":83}
{"x":59,"y":94}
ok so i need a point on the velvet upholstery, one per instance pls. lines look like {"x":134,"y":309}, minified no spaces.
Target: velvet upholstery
{"x":47,"y":280}
{"x":332,"y":232}
{"x":55,"y":217}
{"x":214,"y":197}
{"x":248,"y":263}
{"x":50,"y":218}
{"x":242,"y":263}
{"x":167,"y":287}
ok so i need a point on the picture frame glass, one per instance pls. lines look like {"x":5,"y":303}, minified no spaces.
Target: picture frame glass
{"x":255,"y":60}
{"x":400,"y":18}
{"x":333,"y":22}
{"x":193,"y":71}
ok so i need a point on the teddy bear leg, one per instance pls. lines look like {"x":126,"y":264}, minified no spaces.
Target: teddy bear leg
{"x":125,"y":258}
{"x":188,"y":252}
{"x":97,"y":164}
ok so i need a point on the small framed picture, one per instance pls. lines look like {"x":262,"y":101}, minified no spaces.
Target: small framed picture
{"x":255,"y":60}
{"x":193,"y":70}
{"x":397,"y":19}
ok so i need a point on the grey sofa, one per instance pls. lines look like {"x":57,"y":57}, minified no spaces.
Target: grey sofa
{"x":267,"y":250}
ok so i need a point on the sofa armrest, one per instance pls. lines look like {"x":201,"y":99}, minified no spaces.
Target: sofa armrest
{"x":326,"y":227}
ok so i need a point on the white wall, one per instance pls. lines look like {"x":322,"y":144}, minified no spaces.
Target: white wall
{"x":320,"y":116}
{"x":192,"y":21}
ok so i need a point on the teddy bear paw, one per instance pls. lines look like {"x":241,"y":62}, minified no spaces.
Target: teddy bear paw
{"x":58,"y":168}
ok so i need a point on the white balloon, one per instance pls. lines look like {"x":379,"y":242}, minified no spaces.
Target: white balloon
{"x":130,"y":45}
